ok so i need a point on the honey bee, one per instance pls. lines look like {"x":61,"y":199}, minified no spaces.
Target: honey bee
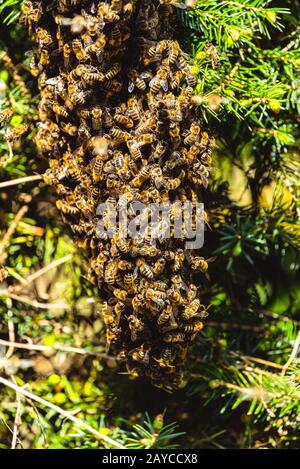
{"x":192,"y":328}
{"x":13,"y":134}
{"x":60,"y":110}
{"x":55,"y":84}
{"x":96,"y":47}
{"x":83,"y":134}
{"x":141,"y":177}
{"x":32,"y":12}
{"x":166,"y":357}
{"x":174,"y":132}
{"x":47,"y":136}
{"x":200,"y":176}
{"x":137,"y":302}
{"x":108,"y":121}
{"x":99,"y":147}
{"x":176,"y":79}
{"x":50,"y":178}
{"x":191,"y":78}
{"x":133,"y":109}
{"x":174,"y":3}
{"x":78,"y":50}
{"x":164,"y":317}
{"x":145,"y":269}
{"x":111,"y":271}
{"x":179,"y":258}
{"x":191,"y":310}
{"x":91,"y":23}
{"x":66,"y":208}
{"x":130,"y":283}
{"x":128,"y":9}
{"x":159,"y":81}
{"x":150,"y":56}
{"x":193,"y":134}
{"x":193,"y":152}
{"x":122,"y":244}
{"x":74,"y":171}
{"x":163,"y":46}
{"x":6,"y":114}
{"x":213,"y":55}
{"x":174,"y":50}
{"x":44,"y":58}
{"x":68,"y":128}
{"x":66,"y":53}
{"x":119,"y":134}
{"x":43,"y":36}
{"x":96,"y":113}
{"x":159,"y":266}
{"x":120,"y":294}
{"x":3,"y":273}
{"x":156,"y":295}
{"x":134,"y":149}
{"x":34,"y":69}
{"x":176,"y":296}
{"x":120,"y":119}
{"x":138,"y":81}
{"x":106,"y":12}
{"x":77,"y":24}
{"x":113,"y":71}
{"x":174,"y":337}
{"x":119,"y":308}
{"x":76,"y":96}
{"x":191,"y":3}
{"x":64,"y":5}
{"x":76,"y":72}
{"x":192,"y":292}
{"x":116,"y":37}
{"x":146,"y":139}
{"x":141,"y":355}
{"x":107,"y":314}
{"x":204,"y":140}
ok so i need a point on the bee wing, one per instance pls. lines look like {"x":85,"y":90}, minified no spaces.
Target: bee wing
{"x":130,"y":87}
{"x":153,"y":82}
{"x":204,"y":182}
{"x":211,"y":259}
{"x":180,"y":5}
{"x":52,"y":81}
{"x":56,"y":52}
{"x":164,"y":85}
{"x":100,"y":55}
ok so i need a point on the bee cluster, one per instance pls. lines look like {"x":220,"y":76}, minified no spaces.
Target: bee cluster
{"x":116,"y":122}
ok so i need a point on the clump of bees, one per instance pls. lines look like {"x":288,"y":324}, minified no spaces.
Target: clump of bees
{"x":116,"y":122}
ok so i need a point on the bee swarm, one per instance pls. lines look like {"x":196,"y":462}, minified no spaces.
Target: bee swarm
{"x":116,"y":121}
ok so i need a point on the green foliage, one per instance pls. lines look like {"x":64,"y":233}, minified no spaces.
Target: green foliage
{"x":153,"y":434}
{"x":10,"y":9}
{"x":243,"y":373}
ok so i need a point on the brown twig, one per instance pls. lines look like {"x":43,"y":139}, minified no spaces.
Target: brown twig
{"x":42,"y":271}
{"x":262,"y":361}
{"x":11,"y":329}
{"x":14,"y":182}
{"x":10,"y":231}
{"x":17,"y":420}
{"x":293,"y":354}
{"x":34,"y":303}
{"x":51,"y":348}
{"x":228,"y":325}
{"x":61,"y":411}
